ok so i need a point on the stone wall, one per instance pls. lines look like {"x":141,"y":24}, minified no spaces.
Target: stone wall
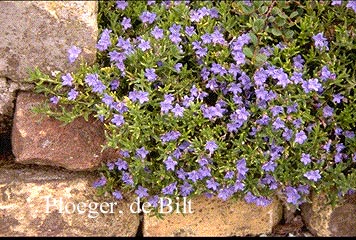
{"x":47,"y":168}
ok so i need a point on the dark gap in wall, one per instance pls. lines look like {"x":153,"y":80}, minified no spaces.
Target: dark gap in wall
{"x":5,"y":144}
{"x":140,"y":226}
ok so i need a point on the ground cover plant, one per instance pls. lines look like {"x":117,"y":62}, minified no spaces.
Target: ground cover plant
{"x":234,"y":99}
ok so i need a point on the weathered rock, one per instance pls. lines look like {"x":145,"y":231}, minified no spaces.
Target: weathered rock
{"x":39,"y":34}
{"x":213,"y":217}
{"x":37,"y":139}
{"x":24,"y":192}
{"x":7,"y":98}
{"x":324,"y":220}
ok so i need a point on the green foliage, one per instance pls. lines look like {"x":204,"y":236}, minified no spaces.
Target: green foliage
{"x":278,"y":32}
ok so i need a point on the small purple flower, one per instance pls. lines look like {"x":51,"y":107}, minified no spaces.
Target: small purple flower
{"x":287,"y":134}
{"x":148,"y":17}
{"x":276,"y":110}
{"x":278,"y":124}
{"x":72,"y":94}
{"x":100,"y":182}
{"x":178,"y":110}
{"x":157,"y":33}
{"x":127,"y":179}
{"x":185,"y":189}
{"x":170,"y":189}
{"x":312,"y":175}
{"x":225,"y":193}
{"x":298,"y":62}
{"x":142,"y":152}
{"x":300,"y":137}
{"x":150,"y":74}
{"x":250,"y":198}
{"x":212,"y":184}
{"x":170,"y":136}
{"x":140,"y":96}
{"x":141,"y":192}
{"x":178,"y":67}
{"x":118,"y":120}
{"x":320,"y":41}
{"x":269,"y":166}
{"x":144,"y":45}
{"x":211,"y":146}
{"x":121,"y":5}
{"x":305,"y":158}
{"x":241,"y":168}
{"x":73,"y":53}
{"x":170,"y":163}
{"x":181,"y":174}
{"x":189,"y":31}
{"x":351,"y":4}
{"x":117,"y":194}
{"x":336,"y":3}
{"x":229,"y":175}
{"x":194,"y":175}
{"x":54,"y":99}
{"x":104,"y":41}
{"x":67,"y":80}
{"x":292,"y":195}
{"x":126,"y":23}
{"x":337,"y":98}
{"x":328,"y":111}
{"x":121,"y":164}
{"x":349,"y":134}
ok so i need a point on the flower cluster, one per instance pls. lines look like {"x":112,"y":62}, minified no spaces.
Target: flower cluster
{"x":198,"y":104}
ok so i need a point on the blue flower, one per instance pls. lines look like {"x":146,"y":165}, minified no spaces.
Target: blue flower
{"x":211,"y":146}
{"x":147,"y":17}
{"x":72,"y":94}
{"x":292,"y":195}
{"x":117,"y":194}
{"x":126,"y":23}
{"x":141,"y":192}
{"x":170,"y":189}
{"x":118,"y":120}
{"x":320,"y":41}
{"x":67,"y":80}
{"x":142,"y":152}
{"x":170,"y":163}
{"x":300,"y":137}
{"x":73,"y":53}
{"x":185,"y":189}
{"x":100,"y":182}
{"x":150,"y":74}
{"x":157,"y":33}
{"x":305,"y":158}
{"x":104,"y":41}
{"x":121,"y":5}
{"x":313,"y":175}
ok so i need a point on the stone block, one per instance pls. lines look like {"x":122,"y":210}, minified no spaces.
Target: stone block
{"x":326,"y":221}
{"x":214,"y":217}
{"x":37,"y":139}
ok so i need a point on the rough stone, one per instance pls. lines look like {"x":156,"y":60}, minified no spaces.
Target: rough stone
{"x":7,"y":98}
{"x":213,"y":217}
{"x":37,"y":139}
{"x":326,"y":221}
{"x":39,"y":34}
{"x":24,"y":212}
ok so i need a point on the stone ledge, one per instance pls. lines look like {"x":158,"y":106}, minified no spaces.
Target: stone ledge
{"x":23,"y":204}
{"x":37,"y":139}
{"x":325,"y":221}
{"x":213,"y":217}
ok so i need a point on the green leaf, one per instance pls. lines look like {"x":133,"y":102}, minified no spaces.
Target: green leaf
{"x":289,"y":34}
{"x":258,"y":25}
{"x":293,"y":14}
{"x":248,"y":52}
{"x":254,"y":38}
{"x":276,"y":32}
{"x":260,"y":59}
